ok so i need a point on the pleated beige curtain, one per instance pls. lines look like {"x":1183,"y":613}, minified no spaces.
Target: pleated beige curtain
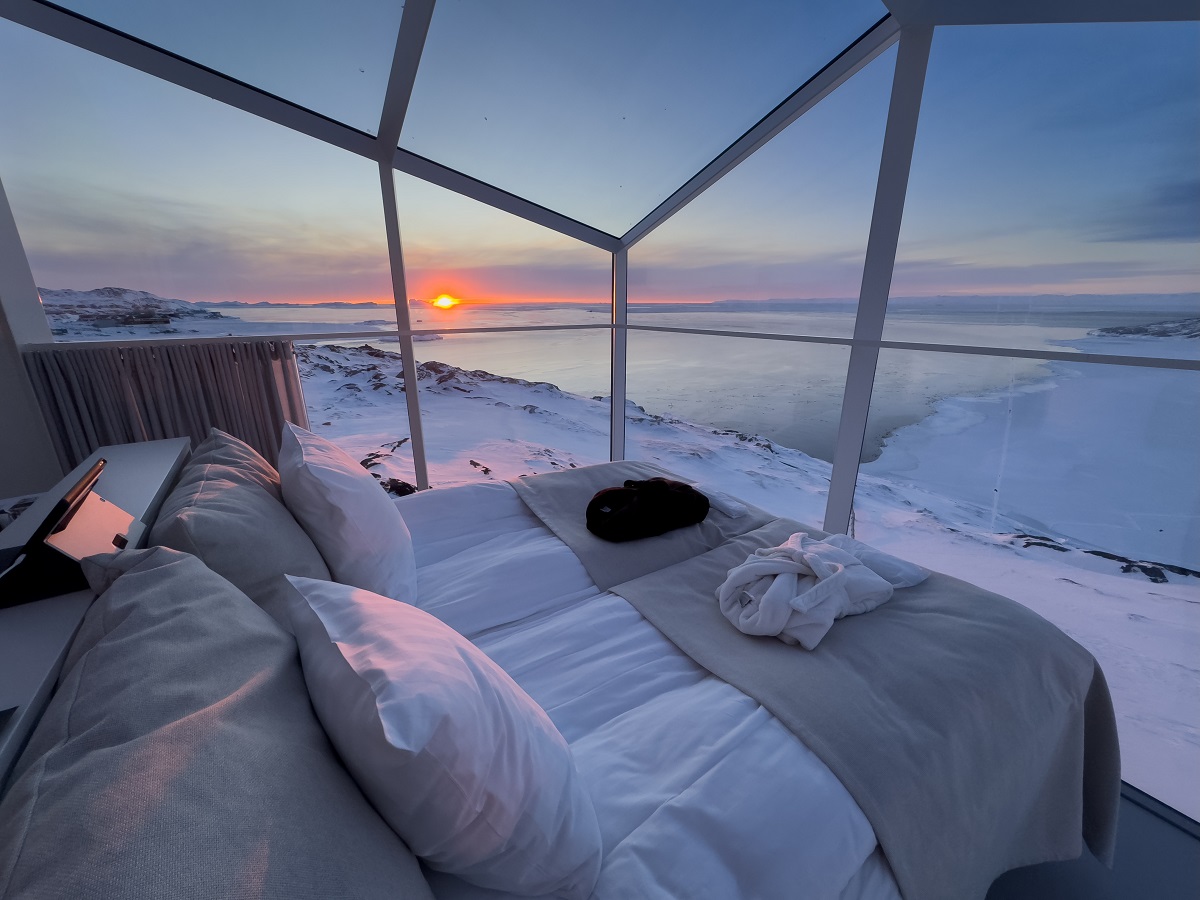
{"x":97,"y":395}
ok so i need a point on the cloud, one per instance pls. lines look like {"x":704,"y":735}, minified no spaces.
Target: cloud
{"x":85,"y":237}
{"x":1167,"y":212}
{"x":532,"y":281}
{"x":828,"y":275}
{"x":956,"y":275}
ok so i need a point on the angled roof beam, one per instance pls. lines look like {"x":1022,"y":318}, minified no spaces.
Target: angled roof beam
{"x":122,"y":48}
{"x":452,"y":179}
{"x":410,"y":41}
{"x":881,"y":36}
{"x":1033,"y":12}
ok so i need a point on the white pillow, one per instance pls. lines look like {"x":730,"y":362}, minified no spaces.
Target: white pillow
{"x":456,"y":757}
{"x":350,"y":518}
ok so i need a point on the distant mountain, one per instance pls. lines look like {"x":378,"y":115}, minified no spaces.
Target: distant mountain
{"x":110,"y":306}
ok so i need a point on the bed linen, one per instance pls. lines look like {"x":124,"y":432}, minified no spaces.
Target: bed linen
{"x":673,"y":756}
{"x":958,"y":719}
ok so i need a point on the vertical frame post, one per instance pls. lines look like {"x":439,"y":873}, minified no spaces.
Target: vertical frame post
{"x":410,"y":42}
{"x":19,"y":300}
{"x":620,"y":339}
{"x":31,"y":463}
{"x":408,"y":360}
{"x":894,"y":165}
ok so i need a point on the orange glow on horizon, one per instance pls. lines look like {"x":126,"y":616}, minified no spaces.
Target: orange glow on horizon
{"x":445,"y":301}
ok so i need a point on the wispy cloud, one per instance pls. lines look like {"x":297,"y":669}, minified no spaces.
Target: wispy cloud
{"x":84,"y":237}
{"x":957,"y":275}
{"x":1167,"y":212}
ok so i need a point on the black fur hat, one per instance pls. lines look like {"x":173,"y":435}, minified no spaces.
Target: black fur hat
{"x":643,"y":509}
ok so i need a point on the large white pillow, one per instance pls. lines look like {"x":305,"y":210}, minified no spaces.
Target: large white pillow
{"x":457,"y":758}
{"x":350,"y":518}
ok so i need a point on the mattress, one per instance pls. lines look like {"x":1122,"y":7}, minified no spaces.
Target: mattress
{"x":699,"y":791}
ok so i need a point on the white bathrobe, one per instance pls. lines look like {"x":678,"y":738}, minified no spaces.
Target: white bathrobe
{"x":797,"y":590}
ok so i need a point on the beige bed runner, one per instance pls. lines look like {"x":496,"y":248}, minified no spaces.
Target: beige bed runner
{"x":976,"y":736}
{"x":560,"y":499}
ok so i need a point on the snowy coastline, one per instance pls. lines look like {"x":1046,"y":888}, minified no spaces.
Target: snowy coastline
{"x":1034,"y":461}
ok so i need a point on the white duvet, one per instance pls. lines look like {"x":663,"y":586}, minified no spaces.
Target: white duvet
{"x":699,"y":791}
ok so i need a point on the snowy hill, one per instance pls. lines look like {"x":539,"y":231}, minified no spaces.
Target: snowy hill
{"x":120,"y":313}
{"x":121,"y":304}
{"x":71,"y":311}
{"x":1186,"y":328}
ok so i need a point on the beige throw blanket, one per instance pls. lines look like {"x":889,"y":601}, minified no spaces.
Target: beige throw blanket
{"x":976,"y":736}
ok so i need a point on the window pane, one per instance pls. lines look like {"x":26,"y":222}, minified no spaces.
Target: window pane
{"x":355,"y":397}
{"x":496,"y":406}
{"x":756,"y":418}
{"x":907,"y":387}
{"x":1054,"y":188}
{"x":332,"y":58}
{"x":777,"y":245}
{"x":601,"y":111}
{"x":136,"y":184}
{"x":1076,"y":493}
{"x":496,"y":269}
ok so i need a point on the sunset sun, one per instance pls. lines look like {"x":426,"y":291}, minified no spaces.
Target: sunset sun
{"x":445,"y":301}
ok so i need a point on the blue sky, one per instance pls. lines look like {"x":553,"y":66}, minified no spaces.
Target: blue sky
{"x":1050,"y":159}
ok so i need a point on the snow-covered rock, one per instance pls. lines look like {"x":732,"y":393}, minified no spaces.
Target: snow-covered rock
{"x":1186,"y":328}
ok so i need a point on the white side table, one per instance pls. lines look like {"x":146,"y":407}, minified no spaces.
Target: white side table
{"x":34,"y":636}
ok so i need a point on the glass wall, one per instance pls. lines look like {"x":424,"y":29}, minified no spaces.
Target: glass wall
{"x":149,"y":211}
{"x":777,"y":245}
{"x":496,"y":406}
{"x":355,"y":394}
{"x":1098,"y":456}
{"x":1053,"y":207}
{"x":468,"y":265}
{"x":751,"y":416}
{"x":1054,"y":201}
{"x":1072,"y":488}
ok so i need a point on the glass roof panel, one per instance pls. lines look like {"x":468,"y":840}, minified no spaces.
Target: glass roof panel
{"x":332,"y":58}
{"x":174,"y":194}
{"x":600,"y":111}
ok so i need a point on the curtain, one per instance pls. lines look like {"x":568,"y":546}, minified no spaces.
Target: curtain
{"x":96,"y":395}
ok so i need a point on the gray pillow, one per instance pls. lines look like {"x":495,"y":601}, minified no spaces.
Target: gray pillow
{"x":180,"y":758}
{"x":240,"y":530}
{"x":223,"y":449}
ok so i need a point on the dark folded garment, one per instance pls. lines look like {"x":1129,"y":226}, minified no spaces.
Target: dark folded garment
{"x":643,"y":509}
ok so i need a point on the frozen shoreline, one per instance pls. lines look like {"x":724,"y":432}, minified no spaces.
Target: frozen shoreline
{"x":1034,"y":460}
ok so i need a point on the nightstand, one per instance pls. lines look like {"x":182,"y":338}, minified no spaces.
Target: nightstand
{"x":34,"y":636}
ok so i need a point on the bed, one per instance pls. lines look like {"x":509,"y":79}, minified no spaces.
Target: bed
{"x":921,"y":751}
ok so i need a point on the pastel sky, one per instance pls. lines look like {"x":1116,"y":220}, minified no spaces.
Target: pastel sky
{"x":1049,"y":159}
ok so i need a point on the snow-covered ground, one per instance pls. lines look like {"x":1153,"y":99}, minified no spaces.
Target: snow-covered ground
{"x":478,"y":427}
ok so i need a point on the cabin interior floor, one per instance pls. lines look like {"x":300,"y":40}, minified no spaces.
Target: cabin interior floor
{"x":1157,"y":858}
